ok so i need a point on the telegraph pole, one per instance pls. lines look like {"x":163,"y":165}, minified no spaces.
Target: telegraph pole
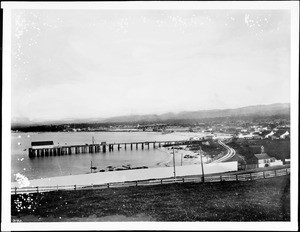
{"x":181,"y":159}
{"x":174,"y":164}
{"x":201,"y":165}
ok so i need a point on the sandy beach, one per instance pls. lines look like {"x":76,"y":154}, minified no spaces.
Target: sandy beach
{"x":128,"y":175}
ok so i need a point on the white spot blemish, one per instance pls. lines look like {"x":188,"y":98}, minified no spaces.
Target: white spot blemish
{"x":22,"y":180}
{"x":247,"y":19}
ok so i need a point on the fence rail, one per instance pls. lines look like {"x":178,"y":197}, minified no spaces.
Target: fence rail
{"x":214,"y":178}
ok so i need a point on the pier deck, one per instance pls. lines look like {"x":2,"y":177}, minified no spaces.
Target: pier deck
{"x":103,"y":147}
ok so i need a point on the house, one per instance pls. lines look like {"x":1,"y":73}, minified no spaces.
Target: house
{"x":264,"y":160}
{"x":206,"y":143}
{"x":42,"y":144}
{"x":273,"y":137}
{"x":195,"y":138}
{"x":257,"y":137}
{"x":270,"y":134}
{"x":211,"y":136}
{"x":285,"y":135}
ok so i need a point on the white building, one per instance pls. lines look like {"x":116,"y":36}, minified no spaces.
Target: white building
{"x":284,"y":135}
{"x":263,"y":160}
{"x":42,"y":144}
{"x":270,"y":134}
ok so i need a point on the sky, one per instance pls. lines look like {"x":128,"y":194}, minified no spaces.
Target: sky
{"x":69,"y":64}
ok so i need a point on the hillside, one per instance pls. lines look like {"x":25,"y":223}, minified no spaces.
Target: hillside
{"x":260,"y":200}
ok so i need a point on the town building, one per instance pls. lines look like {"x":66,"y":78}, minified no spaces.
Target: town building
{"x":263,"y":160}
{"x":42,"y":144}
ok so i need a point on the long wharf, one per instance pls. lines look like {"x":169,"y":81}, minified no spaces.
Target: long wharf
{"x":103,"y":147}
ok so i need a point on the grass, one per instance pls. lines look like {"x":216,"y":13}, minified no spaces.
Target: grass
{"x":260,"y":200}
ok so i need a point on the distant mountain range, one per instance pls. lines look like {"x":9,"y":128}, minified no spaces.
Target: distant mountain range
{"x":256,"y":110}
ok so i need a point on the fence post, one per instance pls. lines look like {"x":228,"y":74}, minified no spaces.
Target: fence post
{"x":74,"y":186}
{"x":183,"y":179}
{"x":37,"y":189}
{"x":15,"y":190}
{"x":107,"y":185}
{"x":136,"y":183}
{"x":93,"y":186}
{"x":236,"y":177}
{"x":250,"y":176}
{"x":264,"y":175}
{"x":220,"y":177}
{"x":160,"y":181}
{"x":57,"y":188}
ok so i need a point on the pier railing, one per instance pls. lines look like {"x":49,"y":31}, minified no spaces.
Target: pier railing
{"x":214,"y":178}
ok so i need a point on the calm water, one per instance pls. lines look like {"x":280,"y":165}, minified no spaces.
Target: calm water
{"x":41,"y":167}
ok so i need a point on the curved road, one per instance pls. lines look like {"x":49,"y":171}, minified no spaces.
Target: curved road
{"x":230,"y":153}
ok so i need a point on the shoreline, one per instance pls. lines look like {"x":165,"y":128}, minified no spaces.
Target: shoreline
{"x":127,"y":175}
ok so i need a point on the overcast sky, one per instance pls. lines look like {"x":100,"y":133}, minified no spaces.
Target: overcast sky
{"x":102,"y":63}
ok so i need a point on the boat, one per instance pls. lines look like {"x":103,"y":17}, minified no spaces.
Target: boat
{"x":166,"y":131}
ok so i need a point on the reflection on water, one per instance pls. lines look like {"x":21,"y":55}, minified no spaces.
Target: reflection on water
{"x":42,"y":167}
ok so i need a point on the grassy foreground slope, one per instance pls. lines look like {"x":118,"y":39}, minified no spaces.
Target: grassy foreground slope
{"x":260,"y":200}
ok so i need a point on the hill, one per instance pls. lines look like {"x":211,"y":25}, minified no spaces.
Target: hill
{"x":248,"y":111}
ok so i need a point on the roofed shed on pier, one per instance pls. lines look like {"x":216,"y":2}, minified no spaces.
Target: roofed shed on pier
{"x":42,"y":144}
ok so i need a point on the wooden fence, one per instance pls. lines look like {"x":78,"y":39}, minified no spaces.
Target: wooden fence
{"x":214,"y":178}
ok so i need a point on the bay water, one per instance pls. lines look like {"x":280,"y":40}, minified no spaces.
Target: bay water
{"x":50,"y":166}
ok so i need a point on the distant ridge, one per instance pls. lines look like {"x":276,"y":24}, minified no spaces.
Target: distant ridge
{"x":255,"y":110}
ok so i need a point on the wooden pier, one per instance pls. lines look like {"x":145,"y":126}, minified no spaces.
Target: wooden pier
{"x":103,"y":147}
